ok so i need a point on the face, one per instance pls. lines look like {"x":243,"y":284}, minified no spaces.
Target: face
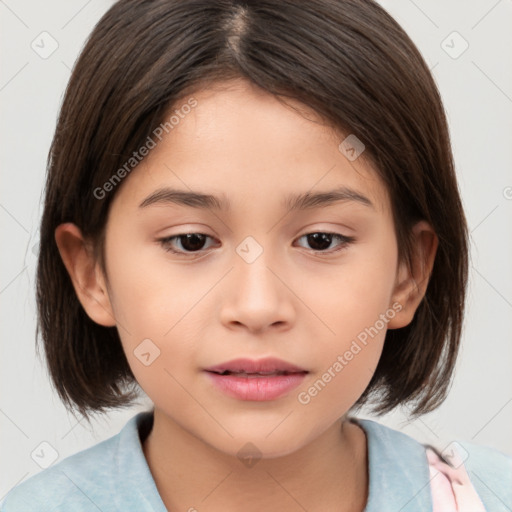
{"x":311,"y":286}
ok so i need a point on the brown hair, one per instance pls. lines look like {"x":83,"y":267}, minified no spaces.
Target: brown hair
{"x":346,"y":59}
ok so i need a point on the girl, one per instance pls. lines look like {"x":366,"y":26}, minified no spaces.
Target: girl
{"x":252,"y":215}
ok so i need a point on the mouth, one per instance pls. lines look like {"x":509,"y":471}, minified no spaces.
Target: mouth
{"x":256,"y":387}
{"x":269,"y":366}
{"x":256,"y":380}
{"x":249,"y":375}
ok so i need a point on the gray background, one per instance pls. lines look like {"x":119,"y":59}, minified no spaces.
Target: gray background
{"x":476,"y":86}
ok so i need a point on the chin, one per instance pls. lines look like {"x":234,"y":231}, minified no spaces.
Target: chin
{"x":258,"y":445}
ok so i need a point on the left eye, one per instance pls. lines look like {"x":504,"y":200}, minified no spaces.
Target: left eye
{"x":194,"y":242}
{"x":320,"y":240}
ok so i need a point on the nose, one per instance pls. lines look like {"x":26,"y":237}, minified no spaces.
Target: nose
{"x":258,"y":296}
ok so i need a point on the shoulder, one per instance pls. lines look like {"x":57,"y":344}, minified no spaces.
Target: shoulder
{"x":490,"y":472}
{"x":109,"y":476}
{"x":397,"y":460}
{"x":76,"y":483}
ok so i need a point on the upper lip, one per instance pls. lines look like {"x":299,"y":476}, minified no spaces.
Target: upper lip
{"x":266,"y":365}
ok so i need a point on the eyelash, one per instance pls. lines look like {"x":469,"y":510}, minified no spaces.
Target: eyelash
{"x":345,"y":241}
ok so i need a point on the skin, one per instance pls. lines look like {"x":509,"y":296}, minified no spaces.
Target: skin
{"x":293,"y":303}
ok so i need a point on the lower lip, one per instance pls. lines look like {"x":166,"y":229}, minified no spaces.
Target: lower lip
{"x":256,"y":388}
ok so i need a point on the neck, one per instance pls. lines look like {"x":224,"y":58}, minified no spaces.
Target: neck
{"x":329,"y":473}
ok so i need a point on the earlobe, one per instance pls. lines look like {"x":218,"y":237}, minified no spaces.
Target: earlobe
{"x":87,"y":278}
{"x":410,"y":287}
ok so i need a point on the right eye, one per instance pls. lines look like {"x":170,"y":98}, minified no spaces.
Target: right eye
{"x":190,"y":243}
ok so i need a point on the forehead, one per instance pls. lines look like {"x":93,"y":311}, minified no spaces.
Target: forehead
{"x":239,"y":142}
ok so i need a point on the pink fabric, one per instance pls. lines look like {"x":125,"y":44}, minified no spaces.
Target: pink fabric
{"x":452,"y":490}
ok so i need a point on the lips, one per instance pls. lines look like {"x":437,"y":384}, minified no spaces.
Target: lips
{"x":256,"y":380}
{"x":249,"y":367}
{"x":253,"y":374}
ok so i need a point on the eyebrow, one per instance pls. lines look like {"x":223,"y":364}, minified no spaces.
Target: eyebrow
{"x":166,"y":195}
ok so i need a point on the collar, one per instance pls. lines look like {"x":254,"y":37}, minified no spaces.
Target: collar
{"x":399,"y":479}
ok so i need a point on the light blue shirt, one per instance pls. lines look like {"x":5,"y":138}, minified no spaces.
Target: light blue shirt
{"x":114,"y":476}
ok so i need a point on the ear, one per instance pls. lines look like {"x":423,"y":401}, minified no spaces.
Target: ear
{"x":410,"y":288}
{"x":85,"y":273}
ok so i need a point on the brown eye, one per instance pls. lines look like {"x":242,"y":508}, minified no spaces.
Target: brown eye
{"x":190,"y":242}
{"x":320,"y":241}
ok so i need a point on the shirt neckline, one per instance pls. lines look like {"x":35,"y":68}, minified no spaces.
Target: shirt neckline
{"x":398,"y":470}
{"x":398,"y":475}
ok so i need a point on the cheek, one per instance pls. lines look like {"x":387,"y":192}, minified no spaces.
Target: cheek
{"x":353,"y":303}
{"x":348,"y":356}
{"x":151,"y":303}
{"x":351,"y":296}
{"x":151,"y":294}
